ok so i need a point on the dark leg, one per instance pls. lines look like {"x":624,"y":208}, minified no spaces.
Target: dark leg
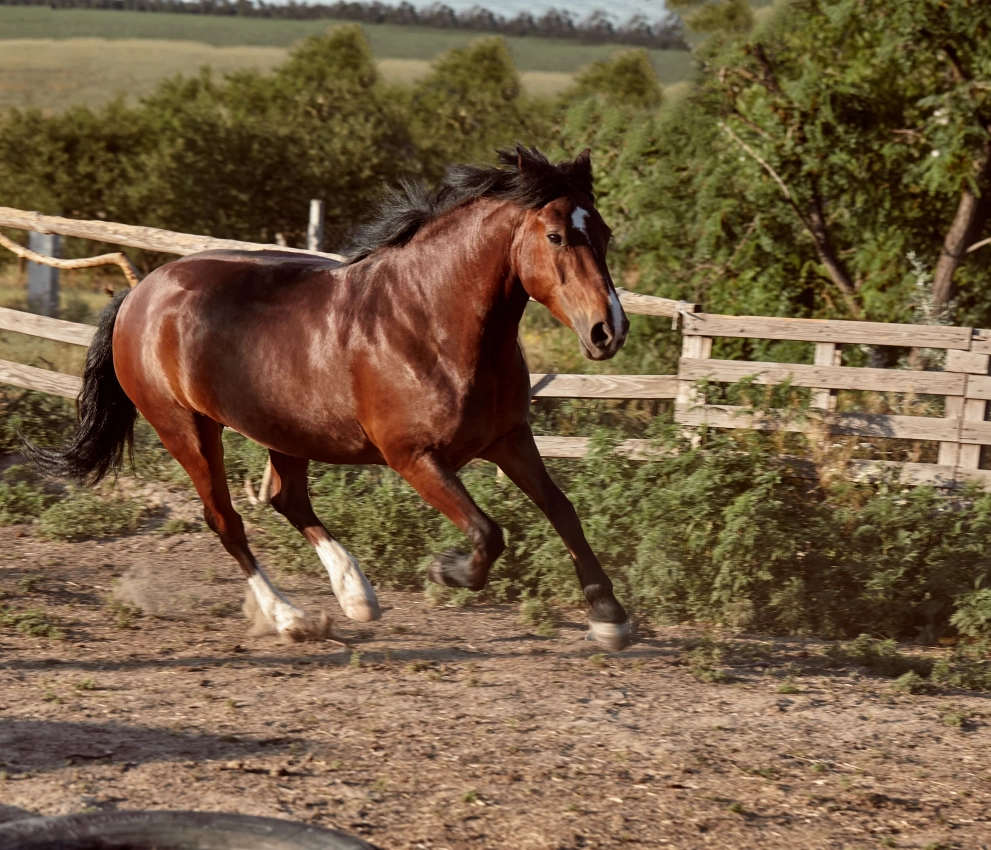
{"x":440,"y":487}
{"x":516,"y":454}
{"x":291,"y":498}
{"x":194,"y":441}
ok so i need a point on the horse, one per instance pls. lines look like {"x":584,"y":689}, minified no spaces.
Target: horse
{"x":406,"y":354}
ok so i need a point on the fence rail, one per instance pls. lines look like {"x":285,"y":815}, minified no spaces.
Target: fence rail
{"x":965,"y":384}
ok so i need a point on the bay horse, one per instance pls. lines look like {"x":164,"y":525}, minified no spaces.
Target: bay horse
{"x":407,"y":354}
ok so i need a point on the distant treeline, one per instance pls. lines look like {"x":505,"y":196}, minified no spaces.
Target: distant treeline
{"x":598,"y":28}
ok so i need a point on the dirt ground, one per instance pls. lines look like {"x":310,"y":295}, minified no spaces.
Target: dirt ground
{"x":455,"y":728}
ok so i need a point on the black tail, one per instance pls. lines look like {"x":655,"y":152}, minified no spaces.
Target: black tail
{"x":106,"y":416}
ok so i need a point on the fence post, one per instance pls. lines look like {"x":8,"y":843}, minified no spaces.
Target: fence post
{"x":43,"y":280}
{"x":692,"y":348}
{"x":827,"y":354}
{"x":314,"y":230}
{"x":968,"y":409}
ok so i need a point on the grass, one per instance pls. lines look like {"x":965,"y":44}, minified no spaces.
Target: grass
{"x":388,"y":41}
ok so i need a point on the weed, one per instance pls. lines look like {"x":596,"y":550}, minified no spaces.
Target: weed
{"x":597,"y":660}
{"x":231,"y":705}
{"x":29,"y":584}
{"x":21,"y":500}
{"x":88,"y":684}
{"x":704,"y":658}
{"x":417,"y":666}
{"x":912,"y":683}
{"x":355,"y":661}
{"x":380,"y":785}
{"x":736,"y":807}
{"x":176,"y":525}
{"x":881,"y":657}
{"x":84,"y":515}
{"x":470,"y":796}
{"x":34,"y":623}
{"x":471,"y":682}
{"x":124,"y":613}
{"x":888,"y":841}
{"x":789,"y":688}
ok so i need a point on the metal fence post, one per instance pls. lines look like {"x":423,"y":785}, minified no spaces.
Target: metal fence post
{"x":43,"y":280}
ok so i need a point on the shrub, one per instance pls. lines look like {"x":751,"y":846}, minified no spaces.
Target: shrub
{"x":83,"y":515}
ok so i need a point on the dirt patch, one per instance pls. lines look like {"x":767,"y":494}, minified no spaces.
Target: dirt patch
{"x":456,"y":728}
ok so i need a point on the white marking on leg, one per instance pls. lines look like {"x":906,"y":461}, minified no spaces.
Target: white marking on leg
{"x":614,"y":636}
{"x":276,"y":608}
{"x":353,"y":591}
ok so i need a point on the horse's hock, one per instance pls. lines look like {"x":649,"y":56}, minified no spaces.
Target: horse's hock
{"x":965,"y":384}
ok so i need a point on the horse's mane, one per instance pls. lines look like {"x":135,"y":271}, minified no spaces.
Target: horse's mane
{"x":528,"y":179}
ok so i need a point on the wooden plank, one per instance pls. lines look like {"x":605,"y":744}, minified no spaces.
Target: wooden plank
{"x":603,"y":386}
{"x":43,"y":326}
{"x":577,"y":447}
{"x":833,"y":377}
{"x":148,"y":238}
{"x":32,"y":378}
{"x":979,"y":386}
{"x":967,"y":361}
{"x":828,"y":330}
{"x":826,"y":354}
{"x":693,"y":349}
{"x":980,"y":341}
{"x":975,"y":433}
{"x":857,"y":424}
{"x":913,"y":474}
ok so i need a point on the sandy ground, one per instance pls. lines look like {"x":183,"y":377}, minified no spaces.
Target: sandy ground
{"x":455,"y":728}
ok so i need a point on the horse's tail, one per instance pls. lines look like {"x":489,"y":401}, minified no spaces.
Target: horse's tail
{"x":106,"y":416}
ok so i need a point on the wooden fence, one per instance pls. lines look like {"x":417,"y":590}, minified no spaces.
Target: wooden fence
{"x":964,"y":384}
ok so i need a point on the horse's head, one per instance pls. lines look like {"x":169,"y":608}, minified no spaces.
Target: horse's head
{"x":561,"y":259}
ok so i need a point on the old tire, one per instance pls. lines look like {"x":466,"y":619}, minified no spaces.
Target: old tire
{"x":162,"y":830}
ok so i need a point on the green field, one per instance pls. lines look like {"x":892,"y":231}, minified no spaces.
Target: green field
{"x":388,"y":41}
{"x":54,"y":74}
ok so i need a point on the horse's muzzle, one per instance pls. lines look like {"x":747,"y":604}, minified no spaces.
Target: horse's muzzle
{"x":601,"y":341}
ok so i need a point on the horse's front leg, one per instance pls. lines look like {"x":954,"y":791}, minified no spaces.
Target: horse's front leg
{"x":516,"y":454}
{"x":440,"y":487}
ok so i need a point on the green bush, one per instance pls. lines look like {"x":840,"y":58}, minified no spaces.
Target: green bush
{"x":20,"y":499}
{"x":719,"y":533}
{"x":83,"y":515}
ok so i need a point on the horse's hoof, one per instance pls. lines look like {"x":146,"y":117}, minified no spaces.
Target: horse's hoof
{"x":361,"y":610}
{"x":613,"y":636}
{"x":451,"y":569}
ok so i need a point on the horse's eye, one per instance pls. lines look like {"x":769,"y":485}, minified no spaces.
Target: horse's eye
{"x":554,"y":238}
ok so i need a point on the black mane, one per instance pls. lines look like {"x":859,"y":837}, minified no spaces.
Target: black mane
{"x":530,"y":180}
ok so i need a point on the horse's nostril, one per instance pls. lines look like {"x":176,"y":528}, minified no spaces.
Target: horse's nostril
{"x":601,"y":335}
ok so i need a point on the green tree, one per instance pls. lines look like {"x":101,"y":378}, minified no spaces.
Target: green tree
{"x":471,"y":103}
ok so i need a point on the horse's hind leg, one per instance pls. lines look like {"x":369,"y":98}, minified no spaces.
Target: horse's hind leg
{"x":194,"y":441}
{"x":291,"y":499}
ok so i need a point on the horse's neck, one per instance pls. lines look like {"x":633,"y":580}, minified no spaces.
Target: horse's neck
{"x":462,"y":265}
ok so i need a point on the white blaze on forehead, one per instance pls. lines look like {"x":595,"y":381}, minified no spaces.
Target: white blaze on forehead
{"x":578,"y":220}
{"x":615,"y":310}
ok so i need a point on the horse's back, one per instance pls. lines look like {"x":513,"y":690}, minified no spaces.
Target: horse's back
{"x":232,"y":335}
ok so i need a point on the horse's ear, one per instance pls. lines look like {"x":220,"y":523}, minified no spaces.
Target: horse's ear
{"x":583,"y":163}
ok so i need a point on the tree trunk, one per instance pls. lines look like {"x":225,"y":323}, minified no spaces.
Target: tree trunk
{"x":835,"y":267}
{"x":972,"y":214}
